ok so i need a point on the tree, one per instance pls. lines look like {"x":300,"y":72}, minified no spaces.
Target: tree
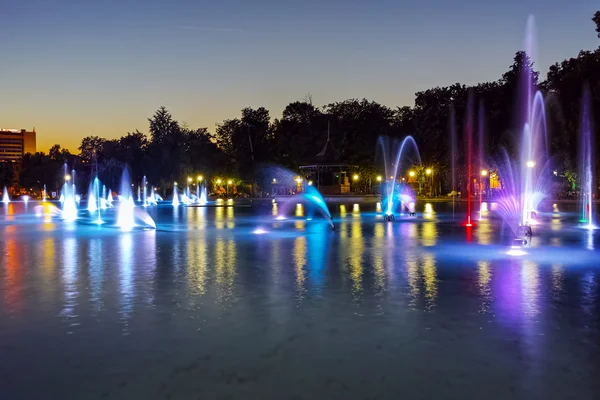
{"x":596,"y":20}
{"x":91,"y":147}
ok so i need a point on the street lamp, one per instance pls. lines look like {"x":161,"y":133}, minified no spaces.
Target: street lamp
{"x":428,"y":172}
{"x":274,"y":181}
{"x":355,"y":177}
{"x":67,"y":177}
{"x":484,"y":172}
{"x":378,"y":178}
{"x":228,"y":183}
{"x":200,"y":178}
{"x":310,"y":183}
{"x":189,"y":179}
{"x":411,"y":174}
{"x":530,"y":164}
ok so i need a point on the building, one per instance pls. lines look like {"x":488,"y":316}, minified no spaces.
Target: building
{"x":327,"y":173}
{"x":15,"y":143}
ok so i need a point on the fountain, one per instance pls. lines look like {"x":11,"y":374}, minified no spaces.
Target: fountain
{"x":469,"y":134}
{"x":68,"y":195}
{"x":92,"y":201}
{"x":175,"y":197}
{"x":109,"y":198}
{"x":95,"y":201}
{"x":526,"y":177}
{"x":125,"y":218}
{"x":5,"y":198}
{"x":393,"y":162}
{"x":144,"y":192}
{"x":139,"y":194}
{"x":44,"y":194}
{"x":587,"y":164}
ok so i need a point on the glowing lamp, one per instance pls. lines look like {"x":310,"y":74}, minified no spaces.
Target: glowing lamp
{"x":484,"y":172}
{"x":175,"y":183}
{"x":530,"y":164}
{"x":298,"y":180}
{"x":200,"y":178}
{"x":274,"y":180}
{"x":355,"y":177}
{"x":229,"y":182}
{"x":411,"y":173}
{"x":310,"y":183}
{"x":189,"y":179}
{"x":378,"y":178}
{"x":67,"y":177}
{"x":218,"y":181}
{"x":428,"y":171}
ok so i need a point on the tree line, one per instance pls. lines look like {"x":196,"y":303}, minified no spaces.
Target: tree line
{"x":171,"y":151}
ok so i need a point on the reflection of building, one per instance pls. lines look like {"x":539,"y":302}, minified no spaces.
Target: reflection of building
{"x":15,"y":143}
{"x":327,"y":173}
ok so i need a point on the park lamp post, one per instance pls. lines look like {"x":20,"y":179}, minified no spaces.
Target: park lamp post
{"x":229,"y":182}
{"x":429,"y":172}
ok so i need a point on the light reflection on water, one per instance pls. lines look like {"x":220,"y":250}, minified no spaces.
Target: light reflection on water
{"x":210,"y":286}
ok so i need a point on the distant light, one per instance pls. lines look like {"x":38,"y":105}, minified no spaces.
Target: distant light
{"x":391,"y":177}
{"x":67,"y":177}
{"x":484,"y":172}
{"x":411,"y":173}
{"x":175,"y":183}
{"x":310,"y":183}
{"x":355,"y":177}
{"x":259,"y":231}
{"x":189,"y":179}
{"x":218,"y":181}
{"x":428,"y":171}
{"x":356,"y":208}
{"x":200,"y":178}
{"x":428,"y":208}
{"x":298,"y":179}
{"x":378,"y":178}
{"x":555,"y":173}
{"x":403,"y":179}
{"x":274,"y":180}
{"x":280,"y":218}
{"x":530,"y":164}
{"x":229,"y":182}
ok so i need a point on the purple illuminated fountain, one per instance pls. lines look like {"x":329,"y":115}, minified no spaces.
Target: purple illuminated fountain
{"x":525,"y":176}
{"x":395,"y":160}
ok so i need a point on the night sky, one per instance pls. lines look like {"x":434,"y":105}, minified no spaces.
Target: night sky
{"x":77,"y":68}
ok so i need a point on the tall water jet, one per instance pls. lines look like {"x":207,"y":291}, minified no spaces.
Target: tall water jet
{"x":5,"y":198}
{"x":44,"y":194}
{"x":109,"y":198}
{"x":69,"y":206}
{"x":202,"y":199}
{"x":145,"y":191}
{"x":587,"y":163}
{"x":469,"y":135}
{"x":393,"y":163}
{"x":480,"y":140}
{"x":139,"y":197}
{"x":453,"y":156}
{"x":125,"y":218}
{"x":526,"y":177}
{"x":175,"y":198}
{"x":92,"y":201}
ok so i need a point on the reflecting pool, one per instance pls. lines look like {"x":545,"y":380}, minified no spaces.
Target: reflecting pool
{"x":230,"y":302}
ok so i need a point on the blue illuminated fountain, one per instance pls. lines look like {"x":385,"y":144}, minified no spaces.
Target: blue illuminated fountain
{"x":5,"y":198}
{"x":95,"y":201}
{"x":175,"y":196}
{"x":126,"y":218}
{"x":68,"y":197}
{"x":396,"y":158}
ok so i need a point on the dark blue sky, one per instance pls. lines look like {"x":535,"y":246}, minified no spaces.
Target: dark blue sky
{"x":78,"y":68}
